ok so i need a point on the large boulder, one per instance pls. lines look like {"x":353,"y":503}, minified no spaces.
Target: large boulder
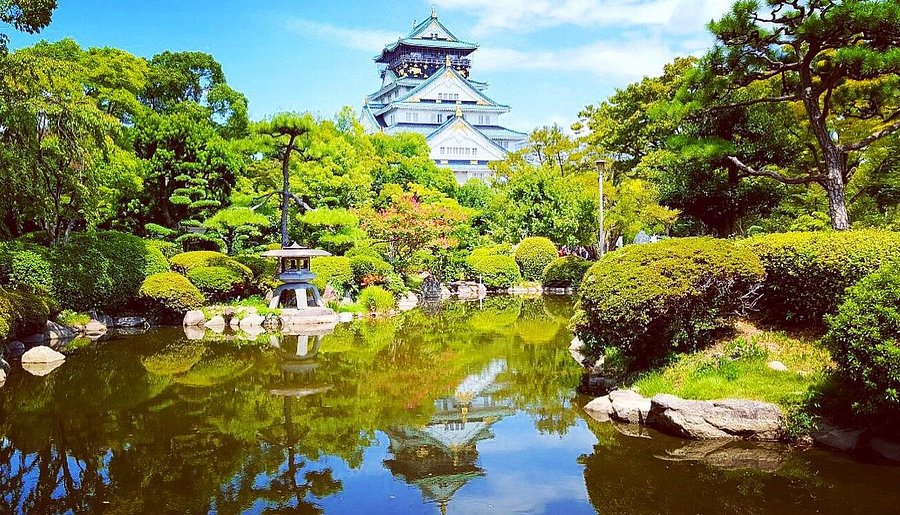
{"x":41,"y":354}
{"x":194,"y":318}
{"x":102,"y":317}
{"x":14,"y":349}
{"x":216,"y":324}
{"x":839,"y":438}
{"x":599,"y":409}
{"x":629,"y":406}
{"x":887,"y":449}
{"x":54,"y":331}
{"x":130,"y":322}
{"x":252,"y":321}
{"x":730,"y":418}
{"x":95,"y":328}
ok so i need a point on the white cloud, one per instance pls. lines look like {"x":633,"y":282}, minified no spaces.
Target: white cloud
{"x":359,"y":39}
{"x":530,"y":15}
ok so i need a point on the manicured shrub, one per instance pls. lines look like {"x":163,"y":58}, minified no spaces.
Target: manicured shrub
{"x":496,"y":272}
{"x":807,"y":272}
{"x":30,"y":271}
{"x":368,"y":270}
{"x":864,"y":340}
{"x":263,"y":269}
{"x":333,"y":270}
{"x":101,"y":270}
{"x":23,"y":313}
{"x":565,"y":272}
{"x":168,"y":248}
{"x":533,"y":255}
{"x":218,"y":282}
{"x":156,"y":262}
{"x":170,"y":295}
{"x":186,"y":261}
{"x":500,"y":249}
{"x":650,"y":300}
{"x":376,"y":299}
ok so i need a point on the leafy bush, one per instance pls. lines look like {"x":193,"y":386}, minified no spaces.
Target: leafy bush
{"x":186,"y":261}
{"x":70,"y":318}
{"x":376,"y":299}
{"x":495,"y":272}
{"x":170,"y":295}
{"x":102,"y":270}
{"x":261,"y":268}
{"x":565,"y":272}
{"x":501,"y":249}
{"x":368,"y":270}
{"x":365,"y":250}
{"x":864,"y":340}
{"x":807,"y":272}
{"x":23,"y":313}
{"x":533,"y":255}
{"x":218,"y":282}
{"x":333,"y":270}
{"x":167,"y":248}
{"x":650,"y":300}
{"x":30,"y":271}
{"x":156,"y":262}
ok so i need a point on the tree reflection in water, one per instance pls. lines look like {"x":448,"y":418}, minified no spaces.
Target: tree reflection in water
{"x":159,"y":422}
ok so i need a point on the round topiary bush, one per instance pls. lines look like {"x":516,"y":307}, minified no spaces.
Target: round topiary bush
{"x":807,"y":272}
{"x":186,"y":261}
{"x":334,"y":271}
{"x":653,"y":299}
{"x":565,"y":272}
{"x":369,"y":270}
{"x":30,"y":271}
{"x":170,"y":295}
{"x":218,"y":282}
{"x":864,"y":340}
{"x":495,"y":271}
{"x":376,"y":299}
{"x":533,"y":255}
{"x":23,"y":313}
{"x":155,"y":261}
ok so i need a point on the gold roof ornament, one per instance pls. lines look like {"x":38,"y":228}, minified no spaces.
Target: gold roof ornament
{"x":433,"y":12}
{"x":448,"y":64}
{"x":458,"y":109}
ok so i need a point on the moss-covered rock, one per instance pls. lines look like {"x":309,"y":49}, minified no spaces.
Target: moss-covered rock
{"x":533,"y":255}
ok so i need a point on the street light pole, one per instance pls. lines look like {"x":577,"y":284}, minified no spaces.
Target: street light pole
{"x":601,"y":167}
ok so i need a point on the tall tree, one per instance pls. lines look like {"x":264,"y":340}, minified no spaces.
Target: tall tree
{"x":25,"y":15}
{"x":837,"y":59}
{"x":288,"y":134}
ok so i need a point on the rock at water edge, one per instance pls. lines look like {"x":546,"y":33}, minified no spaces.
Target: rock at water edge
{"x":833,"y":437}
{"x":41,"y":354}
{"x":95,"y":327}
{"x":885,"y":448}
{"x":194,"y":318}
{"x":130,"y":322}
{"x":730,"y":418}
{"x":252,"y":322}
{"x":14,"y":349}
{"x":629,"y":406}
{"x":54,"y":331}
{"x":216,"y":323}
{"x":599,"y":409}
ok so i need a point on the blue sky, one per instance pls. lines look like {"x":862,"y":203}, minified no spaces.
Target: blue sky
{"x":545,"y":58}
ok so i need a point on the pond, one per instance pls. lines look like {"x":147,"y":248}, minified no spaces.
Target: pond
{"x":461,"y":408}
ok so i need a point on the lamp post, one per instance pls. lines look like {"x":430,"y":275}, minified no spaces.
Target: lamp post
{"x":601,"y":167}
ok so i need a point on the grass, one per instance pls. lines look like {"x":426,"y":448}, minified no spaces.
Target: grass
{"x":71,"y":318}
{"x":738,"y":369}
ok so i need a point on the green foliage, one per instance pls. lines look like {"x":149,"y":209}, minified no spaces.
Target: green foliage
{"x":261,"y":268}
{"x":70,"y":318}
{"x":22,"y":313}
{"x":533,"y":255}
{"x":102,"y":270}
{"x":30,"y":271}
{"x":565,"y":272}
{"x":335,"y":230}
{"x":376,"y":299}
{"x":653,"y":299}
{"x":219,"y":282}
{"x":187,"y":261}
{"x":368,"y":270}
{"x":167,"y":248}
{"x":333,"y":270}
{"x":170,"y":295}
{"x":807,"y":272}
{"x":864,"y":339}
{"x":495,"y":271}
{"x":237,"y":226}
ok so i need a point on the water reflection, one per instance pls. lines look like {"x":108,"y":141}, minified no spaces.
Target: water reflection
{"x":469,"y":409}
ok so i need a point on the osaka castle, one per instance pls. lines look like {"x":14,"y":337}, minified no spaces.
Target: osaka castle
{"x":426,"y":89}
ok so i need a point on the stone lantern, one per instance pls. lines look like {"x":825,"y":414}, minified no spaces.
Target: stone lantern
{"x":293,"y":271}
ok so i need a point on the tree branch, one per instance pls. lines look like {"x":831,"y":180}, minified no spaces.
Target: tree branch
{"x":748,"y":171}
{"x":770,"y":100}
{"x":865,"y":142}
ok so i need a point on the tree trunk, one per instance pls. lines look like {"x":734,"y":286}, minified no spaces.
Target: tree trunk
{"x":837,"y":203}
{"x":286,"y":191}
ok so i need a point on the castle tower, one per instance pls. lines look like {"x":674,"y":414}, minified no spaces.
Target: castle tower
{"x":426,"y":89}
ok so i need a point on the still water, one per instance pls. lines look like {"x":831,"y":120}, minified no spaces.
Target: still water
{"x":465,"y":408}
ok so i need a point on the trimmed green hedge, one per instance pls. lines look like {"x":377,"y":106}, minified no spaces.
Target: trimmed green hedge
{"x":864,"y":340}
{"x":565,"y":272}
{"x":333,"y":270}
{"x":218,"y":282}
{"x":533,"y":255}
{"x":495,"y":271}
{"x":376,"y":299}
{"x":807,"y":272}
{"x":369,"y":270}
{"x":170,"y":295}
{"x":650,"y":300}
{"x":23,"y":313}
{"x":30,"y":271}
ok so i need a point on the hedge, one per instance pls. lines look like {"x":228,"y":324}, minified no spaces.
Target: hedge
{"x":30,"y":271}
{"x":376,"y":299}
{"x":565,"y":272}
{"x":807,"y":272}
{"x":369,"y":270}
{"x":23,"y":313}
{"x":654,"y":299}
{"x":218,"y":282}
{"x":169,"y":295}
{"x":186,"y":261}
{"x":864,"y":340}
{"x":333,"y":270}
{"x":496,"y":272}
{"x":533,"y":255}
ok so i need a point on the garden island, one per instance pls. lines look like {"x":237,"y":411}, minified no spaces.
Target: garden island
{"x":685,"y":300}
